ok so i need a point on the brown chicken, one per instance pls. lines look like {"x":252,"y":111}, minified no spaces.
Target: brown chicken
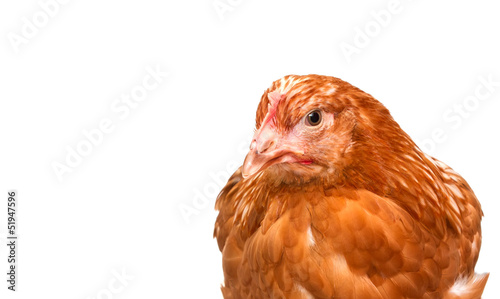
{"x":334,"y":200}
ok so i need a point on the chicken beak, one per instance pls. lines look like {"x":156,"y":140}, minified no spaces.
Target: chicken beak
{"x":266,"y":149}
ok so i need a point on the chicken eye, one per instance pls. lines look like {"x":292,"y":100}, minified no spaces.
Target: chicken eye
{"x":313,"y":118}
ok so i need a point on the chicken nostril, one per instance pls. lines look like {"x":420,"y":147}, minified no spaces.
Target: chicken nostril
{"x":264,"y":146}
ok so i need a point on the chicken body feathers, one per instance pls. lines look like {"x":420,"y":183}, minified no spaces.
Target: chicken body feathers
{"x":391,"y":222}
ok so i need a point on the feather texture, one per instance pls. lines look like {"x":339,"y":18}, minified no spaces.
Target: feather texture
{"x":368,"y":216}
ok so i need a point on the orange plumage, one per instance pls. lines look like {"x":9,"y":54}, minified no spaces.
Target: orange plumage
{"x":334,"y":200}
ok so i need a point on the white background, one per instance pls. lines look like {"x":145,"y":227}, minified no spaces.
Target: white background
{"x":120,"y":208}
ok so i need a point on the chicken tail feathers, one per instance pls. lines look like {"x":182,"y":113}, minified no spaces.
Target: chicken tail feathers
{"x":468,"y":288}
